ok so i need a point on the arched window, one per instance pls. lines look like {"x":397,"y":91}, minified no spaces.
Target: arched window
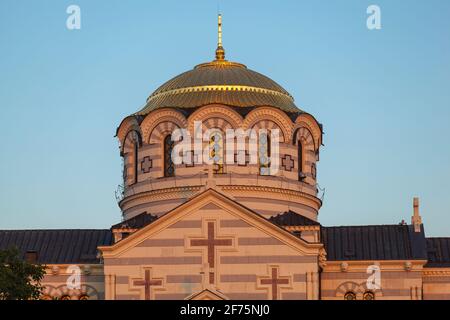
{"x":65,"y":297}
{"x":350,"y":296}
{"x":83,"y":297}
{"x":216,"y":151}
{"x":314,"y":171}
{"x":130,"y":165}
{"x":124,"y":172}
{"x":264,"y":154}
{"x":301,"y":174}
{"x":369,"y":295}
{"x":169,"y":167}
{"x":135,"y":156}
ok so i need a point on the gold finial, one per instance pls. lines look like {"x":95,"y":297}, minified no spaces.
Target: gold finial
{"x":219,"y":42}
{"x":220,"y":52}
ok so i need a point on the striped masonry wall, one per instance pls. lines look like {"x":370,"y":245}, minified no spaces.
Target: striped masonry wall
{"x":238,"y":268}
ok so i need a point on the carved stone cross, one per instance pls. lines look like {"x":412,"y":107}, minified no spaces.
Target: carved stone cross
{"x":211,"y":242}
{"x":287,"y":162}
{"x":146,"y":164}
{"x":147,"y":283}
{"x":274,"y":281}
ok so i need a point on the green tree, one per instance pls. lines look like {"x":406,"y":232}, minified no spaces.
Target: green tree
{"x":19,"y":279}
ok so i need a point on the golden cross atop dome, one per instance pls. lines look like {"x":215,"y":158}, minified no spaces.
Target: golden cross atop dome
{"x":220,"y":51}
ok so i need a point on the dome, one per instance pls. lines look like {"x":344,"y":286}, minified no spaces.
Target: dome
{"x":223,"y":95}
{"x":222,"y":82}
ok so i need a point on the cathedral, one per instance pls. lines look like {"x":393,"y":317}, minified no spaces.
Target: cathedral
{"x":230,"y":230}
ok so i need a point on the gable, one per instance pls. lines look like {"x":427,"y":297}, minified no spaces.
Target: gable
{"x":211,"y":242}
{"x":207,"y":294}
{"x":227,"y":215}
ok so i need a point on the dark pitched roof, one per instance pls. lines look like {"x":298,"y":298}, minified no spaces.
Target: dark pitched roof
{"x":291,"y":218}
{"x":57,"y":246}
{"x":137,"y":222}
{"x":438,"y":250}
{"x":378,"y":242}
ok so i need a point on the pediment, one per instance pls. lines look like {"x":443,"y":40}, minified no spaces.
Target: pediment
{"x":213,"y":202}
{"x":207,"y":294}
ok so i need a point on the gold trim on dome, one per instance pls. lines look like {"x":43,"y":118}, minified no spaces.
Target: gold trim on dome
{"x":220,"y":63}
{"x":218,"y":88}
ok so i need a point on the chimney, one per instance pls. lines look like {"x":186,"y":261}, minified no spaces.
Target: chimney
{"x":416,"y":219}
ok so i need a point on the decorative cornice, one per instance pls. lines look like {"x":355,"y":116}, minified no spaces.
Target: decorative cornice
{"x":386,"y":265}
{"x":273,"y":190}
{"x":436,"y":272}
{"x":159,"y":194}
{"x":174,"y":193}
{"x":302,"y":228}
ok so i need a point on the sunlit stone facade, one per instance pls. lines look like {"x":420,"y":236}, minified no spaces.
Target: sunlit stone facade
{"x":228,"y":231}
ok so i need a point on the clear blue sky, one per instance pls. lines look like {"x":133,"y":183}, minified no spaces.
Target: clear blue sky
{"x":383,"y":97}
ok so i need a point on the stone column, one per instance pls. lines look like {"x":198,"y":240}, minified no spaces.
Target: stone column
{"x":419,"y":293}
{"x":110,"y":287}
{"x":309,"y":286}
{"x":315,"y":285}
{"x":416,"y":293}
{"x":413,"y":293}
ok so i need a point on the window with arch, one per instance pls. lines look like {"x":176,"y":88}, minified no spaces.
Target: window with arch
{"x":135,"y":156}
{"x":130,"y":164}
{"x":83,"y":297}
{"x":300,"y":156}
{"x":124,"y":172}
{"x":264,"y":154}
{"x":169,"y":167}
{"x":314,"y":171}
{"x":350,"y":296}
{"x":369,"y":295}
{"x":216,"y":151}
{"x":65,"y":297}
